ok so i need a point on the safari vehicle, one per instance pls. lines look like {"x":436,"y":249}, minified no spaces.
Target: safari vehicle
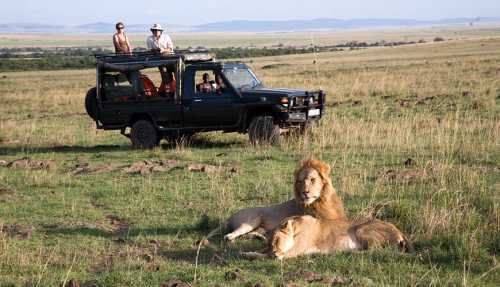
{"x":126,"y":98}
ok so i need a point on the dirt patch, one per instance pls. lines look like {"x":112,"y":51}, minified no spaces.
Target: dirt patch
{"x":407,"y":175}
{"x":218,"y":260}
{"x":350,"y":102}
{"x":305,"y":275}
{"x":119,"y":225}
{"x":405,"y":103}
{"x":17,"y":230}
{"x":236,"y":275}
{"x":149,"y":166}
{"x":312,"y":277}
{"x":207,"y":168}
{"x":196,"y":167}
{"x":145,"y":167}
{"x":412,"y":101}
{"x":113,"y":225}
{"x":86,"y":168}
{"x":275,"y":66}
{"x":29,"y":164}
{"x":5,"y":190}
{"x":468,"y":94}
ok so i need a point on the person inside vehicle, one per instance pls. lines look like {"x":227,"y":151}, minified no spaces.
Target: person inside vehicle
{"x":205,"y":86}
{"x":148,"y":88}
{"x":218,"y":84}
{"x":120,"y":40}
{"x":169,"y":89}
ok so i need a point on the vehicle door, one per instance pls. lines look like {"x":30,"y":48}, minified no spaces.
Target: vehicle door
{"x":209,"y":102}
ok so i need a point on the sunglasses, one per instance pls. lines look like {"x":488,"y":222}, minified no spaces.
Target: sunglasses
{"x":119,"y":28}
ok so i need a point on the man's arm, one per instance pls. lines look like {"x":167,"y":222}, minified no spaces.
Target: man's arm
{"x":128,"y":45}
{"x":150,"y":44}
{"x":115,"y":43}
{"x":169,"y":46}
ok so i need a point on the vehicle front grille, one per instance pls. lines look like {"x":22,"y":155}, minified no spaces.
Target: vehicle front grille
{"x":310,"y":100}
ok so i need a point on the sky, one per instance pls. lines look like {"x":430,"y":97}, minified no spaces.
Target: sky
{"x":194,"y":12}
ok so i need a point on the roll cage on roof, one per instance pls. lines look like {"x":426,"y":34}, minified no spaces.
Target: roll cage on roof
{"x":144,"y":60}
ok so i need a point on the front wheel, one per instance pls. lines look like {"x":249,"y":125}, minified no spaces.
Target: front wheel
{"x":144,"y":135}
{"x":263,"y":130}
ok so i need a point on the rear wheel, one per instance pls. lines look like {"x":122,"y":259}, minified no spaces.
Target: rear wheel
{"x":144,"y":135}
{"x":263,"y":130}
{"x":91,"y":103}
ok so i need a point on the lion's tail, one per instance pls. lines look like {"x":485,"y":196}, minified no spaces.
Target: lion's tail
{"x":216,"y":231}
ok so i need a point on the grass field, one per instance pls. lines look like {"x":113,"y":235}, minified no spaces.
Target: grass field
{"x":436,"y":104}
{"x":259,"y":40}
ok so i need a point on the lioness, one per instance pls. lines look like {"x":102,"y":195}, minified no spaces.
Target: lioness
{"x":314,"y":194}
{"x":302,"y":235}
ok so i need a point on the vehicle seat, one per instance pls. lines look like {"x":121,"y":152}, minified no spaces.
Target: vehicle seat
{"x":109,"y":81}
{"x":148,"y":87}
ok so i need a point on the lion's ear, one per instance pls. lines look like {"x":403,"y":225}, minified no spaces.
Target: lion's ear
{"x":324,"y":168}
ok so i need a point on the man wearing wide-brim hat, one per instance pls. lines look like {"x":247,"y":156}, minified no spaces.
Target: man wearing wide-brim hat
{"x":159,"y":42}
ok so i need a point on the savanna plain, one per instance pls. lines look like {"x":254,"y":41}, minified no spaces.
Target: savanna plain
{"x":412,"y":134}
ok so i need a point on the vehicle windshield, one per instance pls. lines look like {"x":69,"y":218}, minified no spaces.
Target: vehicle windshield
{"x":242,"y":78}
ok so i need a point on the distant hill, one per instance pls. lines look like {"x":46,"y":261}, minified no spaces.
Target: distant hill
{"x":331,"y":24}
{"x":247,"y":26}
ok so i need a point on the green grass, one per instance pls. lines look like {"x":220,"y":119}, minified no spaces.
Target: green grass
{"x":385,"y":105}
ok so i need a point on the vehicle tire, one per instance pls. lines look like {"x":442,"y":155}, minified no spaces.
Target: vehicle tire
{"x":144,"y":135}
{"x":263,"y":130}
{"x":91,"y":103}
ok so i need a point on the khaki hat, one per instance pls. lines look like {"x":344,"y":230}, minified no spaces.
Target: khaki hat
{"x":157,"y":27}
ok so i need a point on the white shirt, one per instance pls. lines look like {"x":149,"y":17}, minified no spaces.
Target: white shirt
{"x":164,"y":43}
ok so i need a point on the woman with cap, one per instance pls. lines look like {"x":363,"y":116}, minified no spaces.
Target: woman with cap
{"x":120,"y":40}
{"x":159,"y":42}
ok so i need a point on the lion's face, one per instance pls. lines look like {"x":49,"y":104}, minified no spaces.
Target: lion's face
{"x":308,"y":185}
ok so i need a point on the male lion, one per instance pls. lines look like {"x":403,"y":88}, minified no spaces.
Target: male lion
{"x":302,"y":235}
{"x":314,"y":194}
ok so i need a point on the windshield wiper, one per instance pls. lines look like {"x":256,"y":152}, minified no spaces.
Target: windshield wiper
{"x":246,"y":86}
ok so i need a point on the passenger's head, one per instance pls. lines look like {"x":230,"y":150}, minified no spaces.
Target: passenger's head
{"x":157,"y":30}
{"x":206,"y":78}
{"x":218,"y":79}
{"x":119,"y":27}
